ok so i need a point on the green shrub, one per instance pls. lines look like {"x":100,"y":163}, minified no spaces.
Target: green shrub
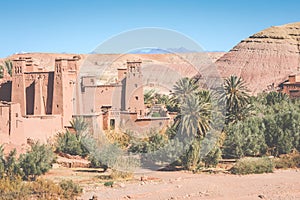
{"x":112,"y":156}
{"x":68,"y":143}
{"x":213,"y":157}
{"x":282,"y":125}
{"x":70,"y":189}
{"x":37,"y":161}
{"x":192,"y":157}
{"x":155,"y":114}
{"x":245,"y":138}
{"x":109,"y":183}
{"x":253,"y":166}
{"x":9,"y":165}
{"x":77,"y":143}
{"x":154,"y":142}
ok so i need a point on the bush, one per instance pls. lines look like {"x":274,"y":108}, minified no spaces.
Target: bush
{"x":112,"y":156}
{"x":9,"y":166}
{"x":150,"y":144}
{"x":253,"y":166}
{"x":287,"y":161}
{"x":70,"y":189}
{"x":40,"y":189}
{"x":13,"y":189}
{"x":155,"y":114}
{"x":245,"y":138}
{"x":75,"y":143}
{"x":282,"y":123}
{"x":37,"y":161}
{"x":68,"y":143}
{"x":212,"y":158}
{"x":116,"y":174}
{"x":192,"y":157}
{"x":109,"y":183}
{"x":45,"y":189}
{"x":118,"y":137}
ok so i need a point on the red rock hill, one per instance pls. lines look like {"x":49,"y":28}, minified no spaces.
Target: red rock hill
{"x":264,"y":58}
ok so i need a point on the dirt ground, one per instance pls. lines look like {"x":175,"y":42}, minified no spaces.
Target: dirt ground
{"x":280,"y":185}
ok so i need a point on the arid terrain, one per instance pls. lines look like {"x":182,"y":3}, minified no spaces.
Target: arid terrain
{"x":280,"y":185}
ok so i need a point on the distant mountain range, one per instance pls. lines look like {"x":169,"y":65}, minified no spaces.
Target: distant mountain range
{"x":161,"y":51}
{"x":154,"y":50}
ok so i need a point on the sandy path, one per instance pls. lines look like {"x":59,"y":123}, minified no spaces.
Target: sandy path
{"x":282,"y":184}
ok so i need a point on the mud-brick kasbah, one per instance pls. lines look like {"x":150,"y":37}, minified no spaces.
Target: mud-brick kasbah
{"x":37,"y":103}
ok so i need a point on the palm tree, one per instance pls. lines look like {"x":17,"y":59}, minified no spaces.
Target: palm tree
{"x":276,"y":97}
{"x":8,"y":66}
{"x":1,"y":71}
{"x":195,"y":116}
{"x":183,"y":88}
{"x":149,"y":97}
{"x":80,"y":126}
{"x":235,"y":96}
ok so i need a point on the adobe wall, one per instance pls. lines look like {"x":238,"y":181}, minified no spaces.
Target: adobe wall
{"x":95,"y":123}
{"x":32,"y":79}
{"x":108,"y":95}
{"x":45,"y":127}
{"x":4,"y":124}
{"x":94,"y":97}
{"x":11,"y":125}
{"x":16,"y":129}
{"x":129,"y":121}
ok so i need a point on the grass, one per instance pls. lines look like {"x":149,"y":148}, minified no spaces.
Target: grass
{"x":253,"y":166}
{"x":286,"y":161}
{"x":40,"y":189}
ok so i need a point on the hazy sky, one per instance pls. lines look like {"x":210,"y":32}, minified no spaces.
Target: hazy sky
{"x":78,"y":26}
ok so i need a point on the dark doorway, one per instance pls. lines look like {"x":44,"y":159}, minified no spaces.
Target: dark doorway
{"x":30,"y":99}
{"x":112,"y":124}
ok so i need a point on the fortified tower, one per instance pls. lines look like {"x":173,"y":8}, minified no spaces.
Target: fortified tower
{"x":65,"y":75}
{"x":18,"y":92}
{"x":134,"y":95}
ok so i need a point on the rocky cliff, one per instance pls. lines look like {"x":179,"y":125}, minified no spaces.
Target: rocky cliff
{"x":265,"y":58}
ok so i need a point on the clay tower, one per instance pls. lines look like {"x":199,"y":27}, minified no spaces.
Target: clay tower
{"x":134,"y":96}
{"x":18,"y":92}
{"x":65,"y":75}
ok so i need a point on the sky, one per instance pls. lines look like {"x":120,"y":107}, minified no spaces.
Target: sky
{"x":79,"y":26}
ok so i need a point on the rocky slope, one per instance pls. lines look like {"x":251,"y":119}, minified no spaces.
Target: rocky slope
{"x":265,"y":58}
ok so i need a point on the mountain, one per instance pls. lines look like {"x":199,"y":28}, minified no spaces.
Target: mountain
{"x":265,"y":58}
{"x":162,"y":51}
